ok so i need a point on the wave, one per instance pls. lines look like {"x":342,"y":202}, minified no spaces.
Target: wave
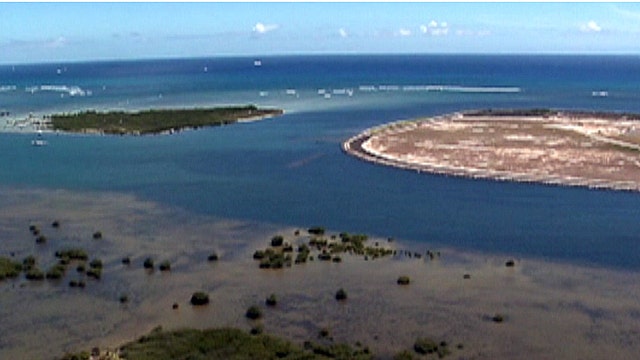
{"x":337,"y":91}
{"x":480,"y":89}
{"x":64,"y":89}
{"x":7,"y":88}
{"x":440,"y":88}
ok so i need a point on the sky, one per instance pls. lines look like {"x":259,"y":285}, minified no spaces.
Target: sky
{"x":58,"y":32}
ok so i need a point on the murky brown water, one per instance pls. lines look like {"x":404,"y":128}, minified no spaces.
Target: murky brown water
{"x":551,"y":310}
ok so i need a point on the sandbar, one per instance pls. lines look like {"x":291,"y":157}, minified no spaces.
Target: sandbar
{"x":589,"y":149}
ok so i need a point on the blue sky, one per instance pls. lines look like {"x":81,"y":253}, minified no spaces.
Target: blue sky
{"x":46,"y":32}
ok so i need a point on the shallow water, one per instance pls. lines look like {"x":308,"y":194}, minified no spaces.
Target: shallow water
{"x":543,"y":302}
{"x":59,"y":317}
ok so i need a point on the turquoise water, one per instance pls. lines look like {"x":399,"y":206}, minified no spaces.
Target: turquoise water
{"x":290,"y":170}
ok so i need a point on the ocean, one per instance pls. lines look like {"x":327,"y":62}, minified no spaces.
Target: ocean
{"x":290,"y":170}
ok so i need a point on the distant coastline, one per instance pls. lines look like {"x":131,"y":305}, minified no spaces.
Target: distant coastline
{"x":373,"y":145}
{"x":155,"y":121}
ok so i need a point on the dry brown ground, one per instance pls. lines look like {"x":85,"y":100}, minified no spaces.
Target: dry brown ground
{"x":564,"y":149}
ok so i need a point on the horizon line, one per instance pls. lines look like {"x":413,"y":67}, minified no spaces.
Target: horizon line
{"x":317,"y":54}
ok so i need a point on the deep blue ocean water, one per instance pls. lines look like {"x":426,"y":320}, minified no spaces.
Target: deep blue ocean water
{"x":290,"y":170}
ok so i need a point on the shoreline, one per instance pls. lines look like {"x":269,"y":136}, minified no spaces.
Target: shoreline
{"x":359,"y":147}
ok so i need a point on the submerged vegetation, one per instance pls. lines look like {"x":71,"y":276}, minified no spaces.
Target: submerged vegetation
{"x":148,"y":263}
{"x":199,"y":298}
{"x":9,"y":268}
{"x":497,"y":318}
{"x":165,"y":265}
{"x":326,"y":248}
{"x":341,"y":295}
{"x":155,"y":121}
{"x":56,"y":272}
{"x":253,"y":312}
{"x":72,"y":254}
{"x":34,"y":274}
{"x":426,"y":346}
{"x":225,"y":343}
{"x":271,"y":300}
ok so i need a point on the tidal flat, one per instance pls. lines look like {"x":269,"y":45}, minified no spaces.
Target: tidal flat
{"x":546,"y":309}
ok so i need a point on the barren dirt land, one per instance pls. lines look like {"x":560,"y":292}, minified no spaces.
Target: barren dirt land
{"x":570,"y":148}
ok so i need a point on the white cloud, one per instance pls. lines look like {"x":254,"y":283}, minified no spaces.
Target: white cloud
{"x":343,"y":33}
{"x":435,"y":29}
{"x":591,"y":26}
{"x":56,"y":43}
{"x":260,"y":28}
{"x":404,"y":32}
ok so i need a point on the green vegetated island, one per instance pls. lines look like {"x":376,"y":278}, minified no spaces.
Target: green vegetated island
{"x":155,"y":121}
